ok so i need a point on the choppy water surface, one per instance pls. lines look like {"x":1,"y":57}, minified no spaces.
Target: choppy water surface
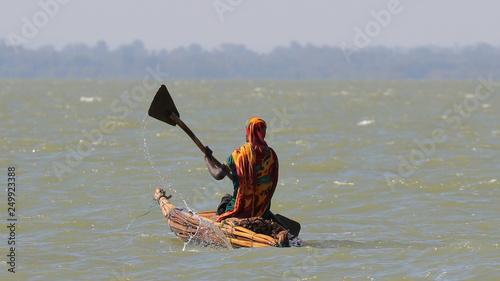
{"x":389,"y":179}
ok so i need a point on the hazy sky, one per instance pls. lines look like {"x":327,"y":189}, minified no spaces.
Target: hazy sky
{"x":258,"y":24}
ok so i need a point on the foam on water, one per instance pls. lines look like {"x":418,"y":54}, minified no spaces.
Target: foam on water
{"x":365,"y":122}
{"x":90,"y":99}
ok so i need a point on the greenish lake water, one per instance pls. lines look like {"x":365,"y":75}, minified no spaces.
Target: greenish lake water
{"x":391,"y":180}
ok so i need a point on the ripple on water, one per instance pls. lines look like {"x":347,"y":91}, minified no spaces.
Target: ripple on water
{"x":336,"y":141}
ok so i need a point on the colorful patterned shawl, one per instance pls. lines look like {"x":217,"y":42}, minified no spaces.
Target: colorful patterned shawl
{"x":257,"y":169}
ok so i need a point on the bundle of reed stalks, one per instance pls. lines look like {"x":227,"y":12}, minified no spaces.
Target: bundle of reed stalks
{"x":187,"y":225}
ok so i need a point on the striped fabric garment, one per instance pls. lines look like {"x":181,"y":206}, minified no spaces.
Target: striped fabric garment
{"x":257,"y":169}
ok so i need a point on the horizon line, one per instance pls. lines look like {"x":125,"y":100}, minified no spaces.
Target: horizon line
{"x":205,"y":48}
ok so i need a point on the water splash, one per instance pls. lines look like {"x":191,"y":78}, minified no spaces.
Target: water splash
{"x":208,"y":235}
{"x":145,"y":149}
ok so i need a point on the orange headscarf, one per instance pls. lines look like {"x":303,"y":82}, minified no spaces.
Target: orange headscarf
{"x":257,"y":169}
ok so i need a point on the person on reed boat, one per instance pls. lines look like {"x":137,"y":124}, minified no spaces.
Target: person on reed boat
{"x":254,"y":171}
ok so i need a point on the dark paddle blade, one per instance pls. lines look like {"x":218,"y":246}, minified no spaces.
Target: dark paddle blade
{"x":162,"y":106}
{"x":293,"y":226}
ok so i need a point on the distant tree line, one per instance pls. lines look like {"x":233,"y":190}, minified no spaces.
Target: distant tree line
{"x":236,"y":61}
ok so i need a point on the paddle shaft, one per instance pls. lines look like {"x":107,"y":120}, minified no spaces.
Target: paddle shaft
{"x":190,"y":133}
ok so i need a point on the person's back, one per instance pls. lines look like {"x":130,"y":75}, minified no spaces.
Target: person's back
{"x":254,"y":171}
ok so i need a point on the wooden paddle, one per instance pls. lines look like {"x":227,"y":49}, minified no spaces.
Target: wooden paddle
{"x":163,"y":109}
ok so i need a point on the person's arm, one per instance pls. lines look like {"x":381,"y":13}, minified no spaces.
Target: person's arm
{"x":217,"y":173}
